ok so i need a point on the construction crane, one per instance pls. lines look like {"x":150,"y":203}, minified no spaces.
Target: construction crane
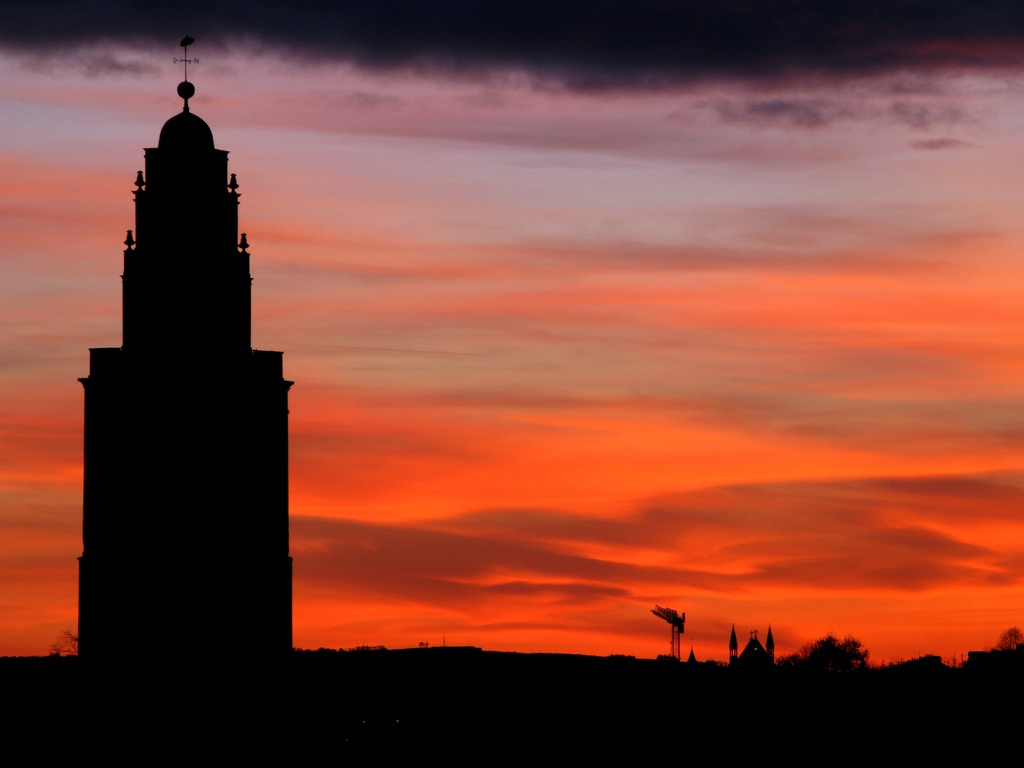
{"x":676,"y":620}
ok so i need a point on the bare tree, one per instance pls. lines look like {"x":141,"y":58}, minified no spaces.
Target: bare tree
{"x":1010,"y":639}
{"x":66,"y":644}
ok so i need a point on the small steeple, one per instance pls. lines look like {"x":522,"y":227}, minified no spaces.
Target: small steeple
{"x":734,"y":646}
{"x":769,"y":644}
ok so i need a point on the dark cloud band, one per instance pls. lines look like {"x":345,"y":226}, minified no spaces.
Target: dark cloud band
{"x":584,"y":44}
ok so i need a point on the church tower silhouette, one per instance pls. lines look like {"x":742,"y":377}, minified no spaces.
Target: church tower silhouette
{"x":185,"y":499}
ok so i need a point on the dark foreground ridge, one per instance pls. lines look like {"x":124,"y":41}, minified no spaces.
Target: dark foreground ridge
{"x":468,"y":707}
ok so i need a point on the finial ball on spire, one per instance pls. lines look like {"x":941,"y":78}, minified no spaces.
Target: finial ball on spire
{"x":186,"y":90}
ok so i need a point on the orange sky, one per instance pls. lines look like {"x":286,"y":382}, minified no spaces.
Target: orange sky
{"x":561,"y":357}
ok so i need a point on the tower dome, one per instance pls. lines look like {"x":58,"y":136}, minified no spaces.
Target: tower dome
{"x":186,"y":132}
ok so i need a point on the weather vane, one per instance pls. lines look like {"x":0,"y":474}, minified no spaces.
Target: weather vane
{"x":185,"y":43}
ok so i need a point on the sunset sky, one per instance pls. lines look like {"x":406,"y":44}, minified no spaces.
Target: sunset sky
{"x":590,"y":307}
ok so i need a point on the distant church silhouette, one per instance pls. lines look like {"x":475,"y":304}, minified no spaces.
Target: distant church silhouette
{"x":185,"y":499}
{"x":754,"y":655}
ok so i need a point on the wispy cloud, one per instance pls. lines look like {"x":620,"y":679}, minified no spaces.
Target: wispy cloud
{"x":861,"y":534}
{"x":939,"y":144}
{"x":819,"y":112}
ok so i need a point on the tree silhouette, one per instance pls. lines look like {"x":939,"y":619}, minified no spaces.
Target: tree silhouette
{"x":1010,"y":639}
{"x":66,"y":644}
{"x":829,"y":654}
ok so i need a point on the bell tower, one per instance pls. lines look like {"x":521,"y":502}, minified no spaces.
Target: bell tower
{"x":185,"y":499}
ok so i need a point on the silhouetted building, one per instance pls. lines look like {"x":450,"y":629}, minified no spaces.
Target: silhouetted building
{"x":185,"y":509}
{"x":754,"y":655}
{"x":1000,"y":662}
